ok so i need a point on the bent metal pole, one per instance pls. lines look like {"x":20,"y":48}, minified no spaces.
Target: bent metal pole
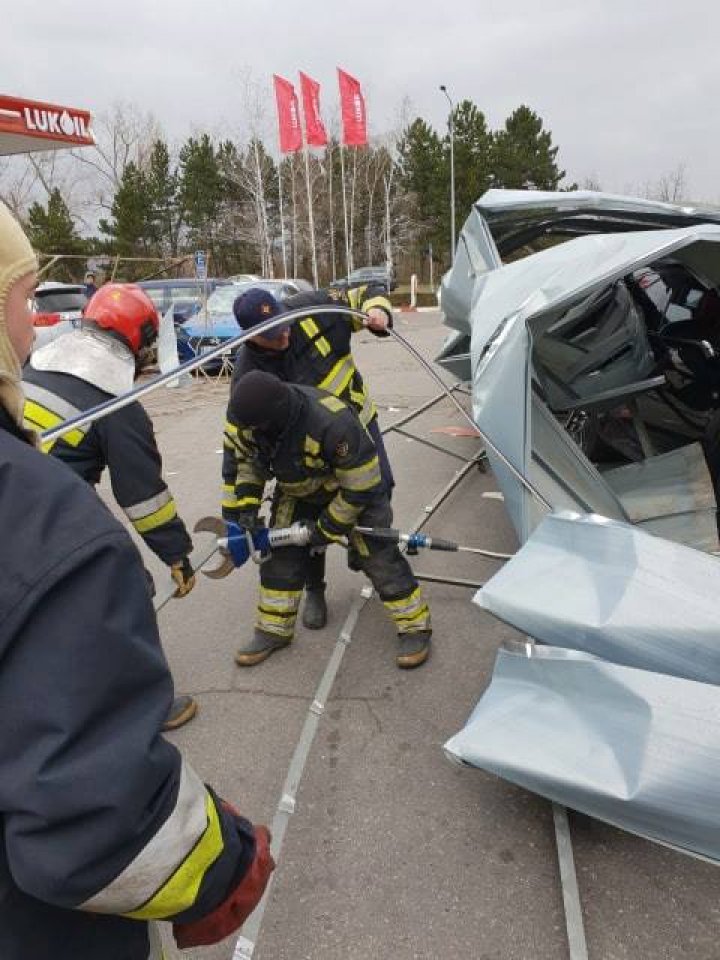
{"x":117,"y":403}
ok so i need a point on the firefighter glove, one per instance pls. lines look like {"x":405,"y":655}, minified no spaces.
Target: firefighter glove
{"x":237,"y":906}
{"x":184,"y":576}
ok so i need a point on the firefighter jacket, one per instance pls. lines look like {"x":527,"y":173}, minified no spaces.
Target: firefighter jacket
{"x":324,"y":455}
{"x":319,"y":353}
{"x":123,"y":441}
{"x":104,"y":825}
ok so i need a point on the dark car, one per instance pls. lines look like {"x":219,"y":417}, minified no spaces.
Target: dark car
{"x":184,"y":296}
{"x":384,"y":275}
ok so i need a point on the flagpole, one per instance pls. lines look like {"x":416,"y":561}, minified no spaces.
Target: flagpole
{"x":352,"y":208}
{"x":345,"y":210}
{"x":282,"y":219}
{"x":311,"y":218}
{"x":293,"y":200}
{"x":329,"y":164}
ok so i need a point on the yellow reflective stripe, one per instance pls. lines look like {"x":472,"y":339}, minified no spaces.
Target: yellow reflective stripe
{"x":179,"y":839}
{"x":157,"y":519}
{"x":230,"y":428}
{"x":364,"y":477}
{"x":312,"y":446}
{"x":339,"y":376}
{"x":405,"y":604}
{"x":269,"y":592}
{"x":303,"y":488}
{"x":38,"y":417}
{"x":246,"y":473}
{"x":332,"y":404}
{"x":330,"y":534}
{"x":381,"y":302}
{"x":310,"y":327}
{"x":358,"y":542}
{"x":181,"y":890}
{"x":315,"y":463}
{"x":279,"y":601}
{"x":277,"y":611}
{"x":323,"y":346}
{"x":342,"y":512}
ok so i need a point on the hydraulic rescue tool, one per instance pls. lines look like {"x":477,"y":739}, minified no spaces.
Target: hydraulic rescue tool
{"x":238,"y":544}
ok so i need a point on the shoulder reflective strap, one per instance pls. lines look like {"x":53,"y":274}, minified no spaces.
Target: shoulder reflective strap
{"x":312,"y":330}
{"x":332,"y":404}
{"x":45,"y":410}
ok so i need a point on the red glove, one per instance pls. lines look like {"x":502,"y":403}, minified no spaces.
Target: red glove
{"x":237,"y":907}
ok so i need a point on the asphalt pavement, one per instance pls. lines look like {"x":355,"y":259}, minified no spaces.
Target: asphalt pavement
{"x":392,"y":851}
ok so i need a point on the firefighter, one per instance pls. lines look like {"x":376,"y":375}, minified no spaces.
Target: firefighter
{"x":104,"y":826}
{"x":328,"y":475}
{"x":314,"y":351}
{"x":85,"y":368}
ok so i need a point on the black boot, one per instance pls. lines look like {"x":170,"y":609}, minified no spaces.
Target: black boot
{"x":181,"y":710}
{"x":314,"y":615}
{"x":414,"y":649}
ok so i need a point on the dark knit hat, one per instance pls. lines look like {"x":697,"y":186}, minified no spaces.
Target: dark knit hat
{"x":257,"y":306}
{"x":260,"y":400}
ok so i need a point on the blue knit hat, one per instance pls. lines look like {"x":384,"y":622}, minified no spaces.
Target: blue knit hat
{"x":256,"y":306}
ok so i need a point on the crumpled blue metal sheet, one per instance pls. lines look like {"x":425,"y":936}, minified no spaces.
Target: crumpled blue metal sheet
{"x":609,"y":589}
{"x":639,"y":750}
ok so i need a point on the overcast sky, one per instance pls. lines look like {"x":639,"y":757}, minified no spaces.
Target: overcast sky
{"x":629,"y":88}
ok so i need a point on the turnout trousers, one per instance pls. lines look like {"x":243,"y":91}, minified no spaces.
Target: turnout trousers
{"x":283,"y":575}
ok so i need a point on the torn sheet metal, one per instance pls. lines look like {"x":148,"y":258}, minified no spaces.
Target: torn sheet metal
{"x":609,"y":589}
{"x":636,"y":749}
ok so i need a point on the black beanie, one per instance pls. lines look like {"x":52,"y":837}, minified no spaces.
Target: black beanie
{"x":260,"y":400}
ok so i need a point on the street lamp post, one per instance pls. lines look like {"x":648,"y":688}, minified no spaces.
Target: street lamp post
{"x":452,"y":172}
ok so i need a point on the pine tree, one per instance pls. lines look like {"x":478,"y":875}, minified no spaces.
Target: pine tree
{"x":200,"y":189}
{"x":51,"y":230}
{"x":166,"y":214}
{"x":473,"y":157}
{"x":422,"y":173}
{"x":131,"y":230}
{"x":523,"y":155}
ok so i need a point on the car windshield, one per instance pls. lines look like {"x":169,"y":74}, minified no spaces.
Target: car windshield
{"x":59,"y":301}
{"x":221,"y":301}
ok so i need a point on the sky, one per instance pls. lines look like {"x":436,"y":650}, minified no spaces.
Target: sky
{"x":629,"y":88}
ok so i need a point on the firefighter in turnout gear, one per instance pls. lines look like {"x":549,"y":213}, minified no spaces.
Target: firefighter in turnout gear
{"x":314,"y":351}
{"x":328,"y":475}
{"x":105,"y":827}
{"x":83,"y":369}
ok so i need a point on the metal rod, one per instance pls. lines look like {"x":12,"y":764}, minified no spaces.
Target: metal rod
{"x":117,"y":403}
{"x":450,"y":581}
{"x":429,"y":443}
{"x":568,"y":881}
{"x":414,"y":413}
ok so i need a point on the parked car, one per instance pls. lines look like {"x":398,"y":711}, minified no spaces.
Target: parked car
{"x":205,"y":331}
{"x":58,"y":309}
{"x":185,"y":296}
{"x":380,"y":274}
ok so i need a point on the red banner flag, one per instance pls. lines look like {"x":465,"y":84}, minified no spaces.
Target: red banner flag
{"x":288,"y":115}
{"x":315,"y":132}
{"x":352,"y":104}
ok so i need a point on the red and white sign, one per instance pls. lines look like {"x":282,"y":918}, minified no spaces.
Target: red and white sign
{"x":352,"y":107}
{"x":30,"y":125}
{"x":315,"y":132}
{"x":288,"y":115}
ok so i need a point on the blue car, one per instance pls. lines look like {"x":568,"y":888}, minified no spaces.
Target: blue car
{"x":205,"y":331}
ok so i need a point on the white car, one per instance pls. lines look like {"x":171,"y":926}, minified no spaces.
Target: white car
{"x":58,"y":308}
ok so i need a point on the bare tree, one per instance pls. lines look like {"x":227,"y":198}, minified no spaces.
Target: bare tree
{"x":123,"y":135}
{"x":673,"y":185}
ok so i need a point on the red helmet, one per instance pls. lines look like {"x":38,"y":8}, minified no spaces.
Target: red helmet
{"x":126,"y":310}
